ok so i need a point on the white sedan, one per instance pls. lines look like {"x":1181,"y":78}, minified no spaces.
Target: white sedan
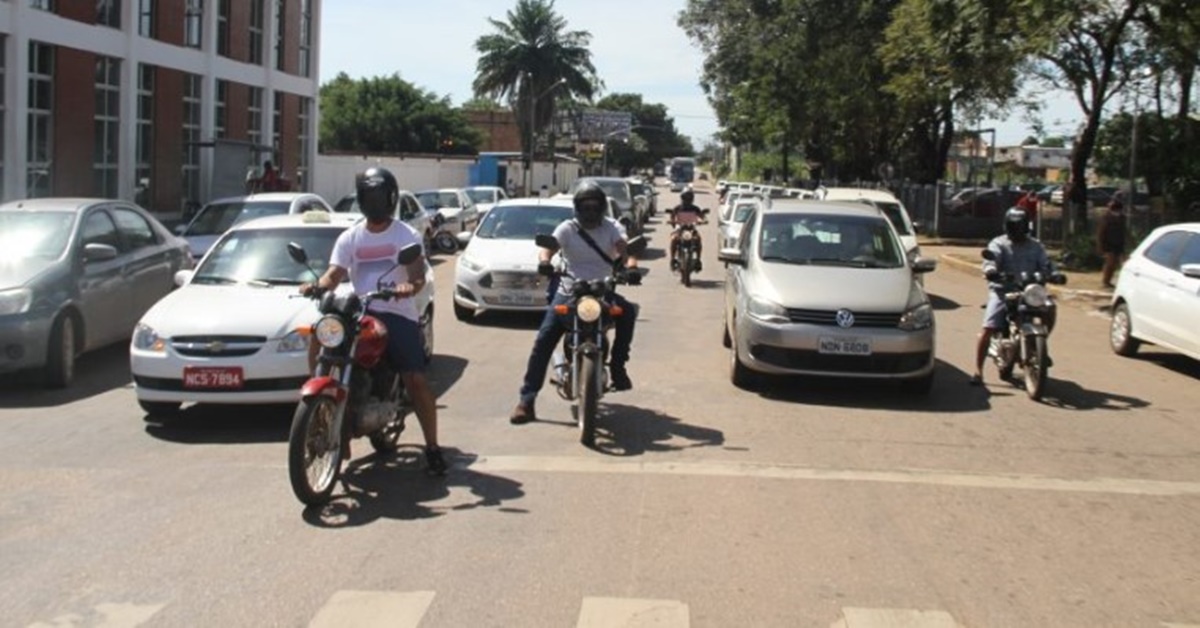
{"x":230,"y":333}
{"x":1157,"y":299}
{"x":498,"y":268}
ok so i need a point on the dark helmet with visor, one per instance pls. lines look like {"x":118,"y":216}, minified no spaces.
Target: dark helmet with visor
{"x":687,"y":197}
{"x":377,"y":193}
{"x":1016,"y":224}
{"x":591,"y":203}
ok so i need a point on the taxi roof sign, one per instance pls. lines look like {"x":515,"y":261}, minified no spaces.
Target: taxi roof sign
{"x":316,"y":216}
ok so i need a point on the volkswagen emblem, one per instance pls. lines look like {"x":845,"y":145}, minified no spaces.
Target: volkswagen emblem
{"x":845,"y":318}
{"x":216,"y":347}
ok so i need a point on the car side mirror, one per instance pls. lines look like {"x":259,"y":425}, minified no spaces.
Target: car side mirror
{"x":180,"y":228}
{"x":988,"y":255}
{"x":924,"y":265}
{"x":183,"y":277}
{"x":1190,"y":270}
{"x":297,"y":253}
{"x":732,"y":256}
{"x":547,"y":241}
{"x":97,"y":252}
{"x":408,"y":254}
{"x":918,"y":227}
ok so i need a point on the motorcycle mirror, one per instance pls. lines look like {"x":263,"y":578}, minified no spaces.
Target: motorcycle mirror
{"x":987,"y":254}
{"x":636,"y":246}
{"x":296,"y":252}
{"x":547,"y":241}
{"x":408,"y":254}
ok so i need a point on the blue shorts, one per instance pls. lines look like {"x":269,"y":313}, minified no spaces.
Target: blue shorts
{"x":996,"y":313}
{"x":406,"y":346}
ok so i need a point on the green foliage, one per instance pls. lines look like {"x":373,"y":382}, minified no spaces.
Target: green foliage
{"x":755,"y":166}
{"x":655,"y":137}
{"x":1079,"y":253}
{"x":390,"y":115}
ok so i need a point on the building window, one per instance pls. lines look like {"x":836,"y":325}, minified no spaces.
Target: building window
{"x":254,"y":124}
{"x":146,"y":18}
{"x":191,"y":139}
{"x":223,"y":11}
{"x":39,"y":146}
{"x":256,"y":31}
{"x":222,"y":111}
{"x":145,"y":136}
{"x":45,"y":5}
{"x":277,"y":124}
{"x":302,"y":164}
{"x":280,"y":26}
{"x":108,"y":13}
{"x":305,"y":38}
{"x":193,"y":23}
{"x":107,"y":127}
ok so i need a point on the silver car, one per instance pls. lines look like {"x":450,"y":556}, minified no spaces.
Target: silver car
{"x":824,"y":288}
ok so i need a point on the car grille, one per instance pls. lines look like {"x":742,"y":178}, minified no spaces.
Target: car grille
{"x":250,"y":385}
{"x":217,"y":346}
{"x":511,"y":281}
{"x":829,"y":317}
{"x":811,"y":360}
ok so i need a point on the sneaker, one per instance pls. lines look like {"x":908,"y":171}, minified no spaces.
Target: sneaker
{"x":435,"y":464}
{"x":619,"y":378}
{"x":523,"y":413}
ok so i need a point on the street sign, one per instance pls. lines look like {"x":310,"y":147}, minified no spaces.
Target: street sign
{"x":597,"y":125}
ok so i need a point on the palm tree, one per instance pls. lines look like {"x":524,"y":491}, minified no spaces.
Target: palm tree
{"x":531,"y":56}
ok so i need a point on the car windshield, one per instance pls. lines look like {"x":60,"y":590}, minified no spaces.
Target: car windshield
{"x":743,"y":212}
{"x":438,"y":200}
{"x":259,"y":256}
{"x":895,"y":215}
{"x":522,"y":222}
{"x":481,"y":195}
{"x":829,"y":239}
{"x":217,"y":218}
{"x":26,"y":234}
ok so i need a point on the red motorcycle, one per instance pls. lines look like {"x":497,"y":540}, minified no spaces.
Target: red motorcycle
{"x":354,"y":392}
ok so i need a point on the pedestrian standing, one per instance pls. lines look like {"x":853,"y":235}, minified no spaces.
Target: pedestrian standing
{"x":1110,"y":238}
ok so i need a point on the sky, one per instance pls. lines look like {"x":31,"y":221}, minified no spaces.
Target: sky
{"x":637,"y":47}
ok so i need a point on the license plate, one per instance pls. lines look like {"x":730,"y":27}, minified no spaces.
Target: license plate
{"x":212,"y":377}
{"x":844,"y":346}
{"x":517,"y":298}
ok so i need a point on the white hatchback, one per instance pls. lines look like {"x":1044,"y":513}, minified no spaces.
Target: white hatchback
{"x":1157,"y":299}
{"x":215,"y":218}
{"x":229,"y":334}
{"x":888,"y":204}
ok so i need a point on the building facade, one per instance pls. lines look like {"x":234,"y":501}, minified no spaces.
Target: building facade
{"x":127,"y":98}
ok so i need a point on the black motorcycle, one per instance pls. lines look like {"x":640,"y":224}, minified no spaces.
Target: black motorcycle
{"x":688,"y":253}
{"x":1030,"y":316}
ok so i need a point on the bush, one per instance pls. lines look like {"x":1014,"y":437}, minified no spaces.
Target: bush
{"x":1079,"y":253}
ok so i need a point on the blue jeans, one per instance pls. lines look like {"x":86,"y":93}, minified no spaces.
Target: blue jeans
{"x":406,"y":347}
{"x":551,"y":332}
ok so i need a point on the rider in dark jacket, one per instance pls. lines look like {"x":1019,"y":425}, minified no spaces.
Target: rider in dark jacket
{"x":685,"y":213}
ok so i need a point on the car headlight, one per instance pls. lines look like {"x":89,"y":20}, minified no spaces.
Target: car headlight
{"x":146,"y":339}
{"x":15,"y":301}
{"x":917,"y":318}
{"x":589,"y":310}
{"x":293,"y":343}
{"x":470,"y":264}
{"x":331,"y":332}
{"x":767,"y":311}
{"x":1036,"y":296}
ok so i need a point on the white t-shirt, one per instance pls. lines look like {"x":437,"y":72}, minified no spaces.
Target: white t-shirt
{"x":582,"y":260}
{"x":368,"y":257}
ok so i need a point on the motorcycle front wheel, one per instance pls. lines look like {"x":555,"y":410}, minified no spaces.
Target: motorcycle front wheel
{"x":314,"y":450}
{"x":685,"y":269}
{"x":589,"y":398}
{"x":1035,"y":368}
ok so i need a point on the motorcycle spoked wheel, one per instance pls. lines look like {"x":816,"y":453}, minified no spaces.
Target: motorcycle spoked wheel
{"x":1035,"y":368}
{"x":589,"y":397}
{"x":314,"y":450}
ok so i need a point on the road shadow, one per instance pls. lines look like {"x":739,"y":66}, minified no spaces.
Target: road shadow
{"x":508,"y":320}
{"x":1069,"y":395}
{"x":395,"y":486}
{"x":96,"y":373}
{"x":213,"y":424}
{"x":707,"y":284}
{"x":625,"y":431}
{"x":651,"y":254}
{"x":941,"y":303}
{"x":1177,"y":362}
{"x":951,"y":392}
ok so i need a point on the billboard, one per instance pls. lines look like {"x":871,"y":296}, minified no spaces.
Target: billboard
{"x":598,"y":125}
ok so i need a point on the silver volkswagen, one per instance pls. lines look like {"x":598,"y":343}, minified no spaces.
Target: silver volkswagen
{"x":824,"y":288}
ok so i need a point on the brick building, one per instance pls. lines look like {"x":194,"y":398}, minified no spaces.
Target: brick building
{"x":123,"y":98}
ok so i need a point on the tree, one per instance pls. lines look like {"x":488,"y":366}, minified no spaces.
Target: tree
{"x":654,"y":131}
{"x":481,"y":104}
{"x":531,"y":61}
{"x":390,"y":115}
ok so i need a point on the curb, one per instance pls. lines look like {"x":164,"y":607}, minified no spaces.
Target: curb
{"x":1098,"y":299}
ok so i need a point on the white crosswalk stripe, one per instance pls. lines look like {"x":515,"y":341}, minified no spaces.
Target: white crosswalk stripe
{"x":894,"y":618}
{"x":616,"y":612}
{"x":106,"y":616}
{"x":371,"y":609}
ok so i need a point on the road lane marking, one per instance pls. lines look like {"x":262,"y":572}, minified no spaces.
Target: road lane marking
{"x":114,"y":616}
{"x":373,"y":609}
{"x":618,"y":612}
{"x":571,"y":464}
{"x":894,"y":618}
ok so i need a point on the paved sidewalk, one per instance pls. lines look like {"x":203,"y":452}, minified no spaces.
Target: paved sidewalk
{"x":1084,"y":287}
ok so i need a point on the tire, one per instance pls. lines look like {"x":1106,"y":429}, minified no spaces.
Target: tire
{"x":589,"y":399}
{"x":387,"y":440}
{"x":160,"y":408}
{"x":463,"y":313}
{"x":685,"y":272}
{"x":739,"y":375}
{"x":60,"y":354}
{"x":312,"y":424}
{"x":1120,"y":334}
{"x":1035,"y":369}
{"x":726,"y":341}
{"x":918,"y":386}
{"x":445,"y":242}
{"x":426,"y":326}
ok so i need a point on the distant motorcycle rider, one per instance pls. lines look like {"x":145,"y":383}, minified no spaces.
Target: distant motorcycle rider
{"x":585,"y":263}
{"x":685,"y":213}
{"x":1015,"y":252}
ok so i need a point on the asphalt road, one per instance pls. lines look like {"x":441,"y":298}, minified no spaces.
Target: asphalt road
{"x":808,"y":503}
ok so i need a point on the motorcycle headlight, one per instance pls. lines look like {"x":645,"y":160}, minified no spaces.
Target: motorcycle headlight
{"x":766,"y":311}
{"x":294,"y":342}
{"x":470,"y":264}
{"x":146,"y":339}
{"x":1036,"y":296}
{"x":918,"y":318}
{"x":589,"y":310}
{"x":15,"y":301}
{"x":331,"y":332}
{"x":687,"y":235}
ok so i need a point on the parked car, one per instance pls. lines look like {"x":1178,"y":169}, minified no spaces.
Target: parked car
{"x":77,"y":275}
{"x":630,"y":214}
{"x":820,"y":288}
{"x":1157,"y":299}
{"x":638,"y":187}
{"x":983,"y":203}
{"x":497,"y":269}
{"x":730,"y":227}
{"x":408,"y":209}
{"x":886,"y":202}
{"x":485,"y":197}
{"x":1046,"y":193}
{"x":455,"y":206}
{"x":231,"y":332}
{"x":215,"y":218}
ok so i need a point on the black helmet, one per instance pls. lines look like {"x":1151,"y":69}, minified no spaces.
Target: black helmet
{"x":687,"y":197}
{"x":591,"y":203}
{"x":1016,"y":224}
{"x":377,"y":193}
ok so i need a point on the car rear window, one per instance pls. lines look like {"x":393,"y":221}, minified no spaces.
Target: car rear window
{"x":217,"y":218}
{"x":522,"y":222}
